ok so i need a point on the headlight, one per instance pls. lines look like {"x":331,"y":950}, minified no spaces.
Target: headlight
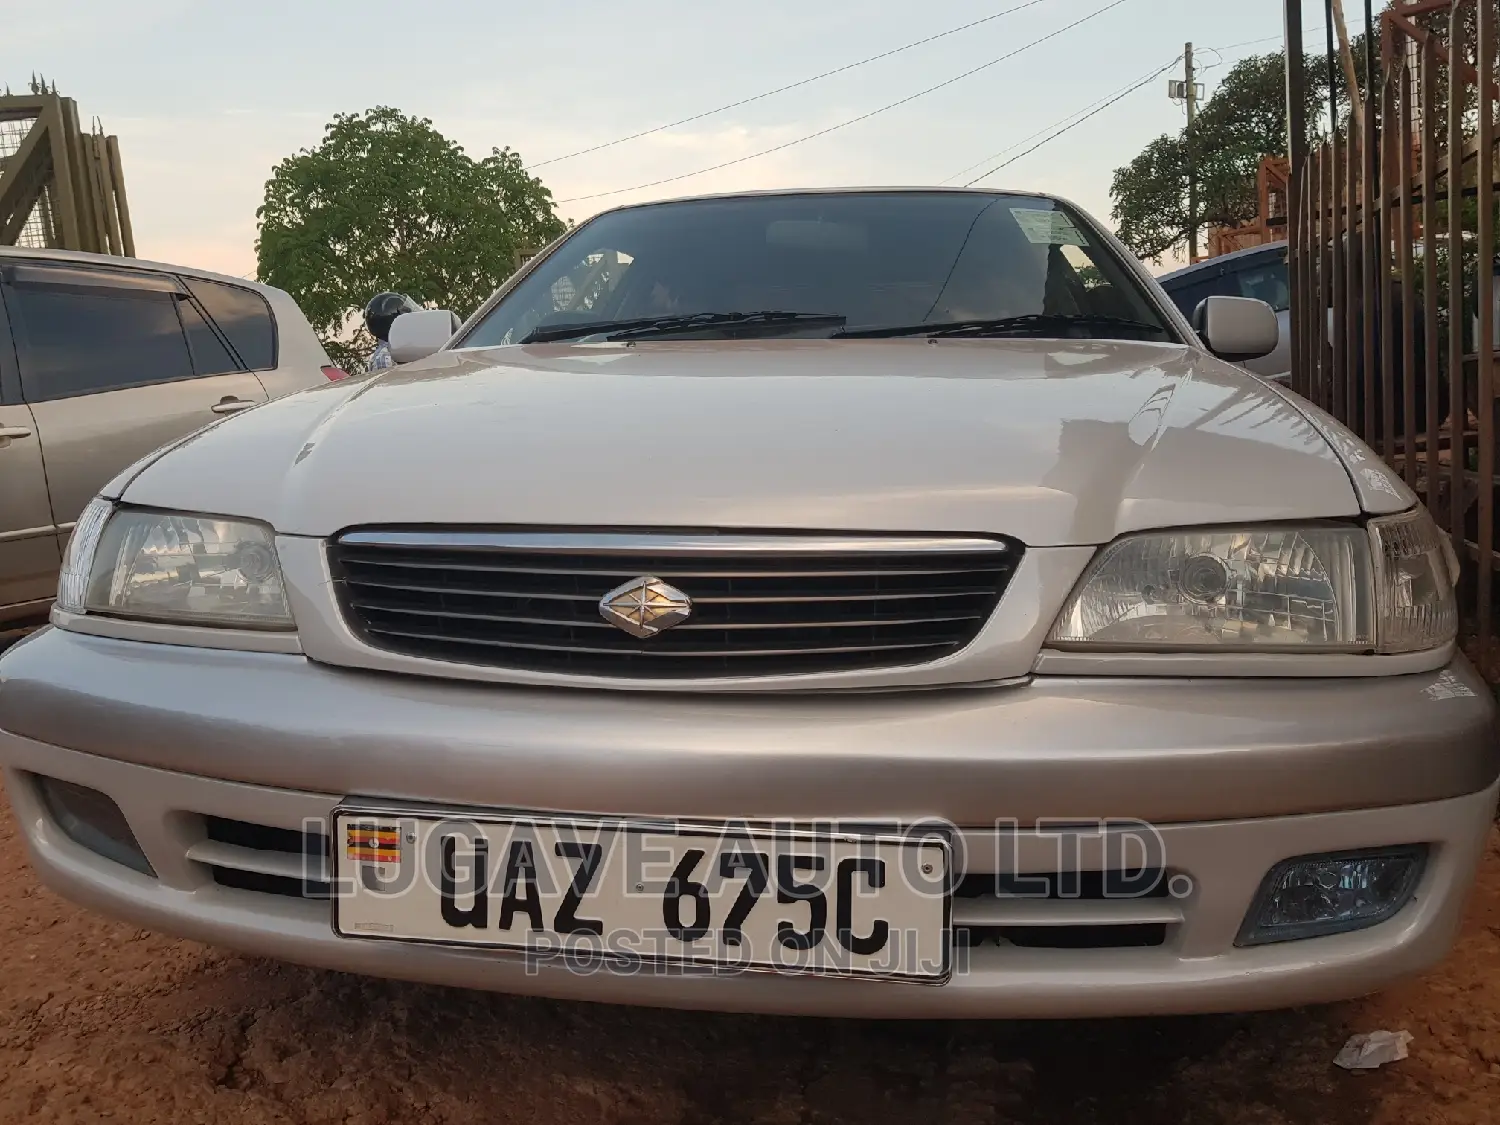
{"x":1415,"y":572}
{"x":1387,"y":587}
{"x":172,"y":567}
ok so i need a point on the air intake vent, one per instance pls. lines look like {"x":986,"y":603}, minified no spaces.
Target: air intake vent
{"x":260,"y":858}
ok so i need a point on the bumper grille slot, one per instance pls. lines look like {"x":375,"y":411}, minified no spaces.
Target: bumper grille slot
{"x":266,"y":860}
{"x":774,"y":607}
{"x":1086,"y":910}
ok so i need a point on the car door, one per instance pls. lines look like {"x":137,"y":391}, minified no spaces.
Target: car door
{"x":28,"y":541}
{"x":114,"y":363}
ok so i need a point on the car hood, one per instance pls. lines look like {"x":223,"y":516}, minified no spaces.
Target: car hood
{"x":1051,"y":442}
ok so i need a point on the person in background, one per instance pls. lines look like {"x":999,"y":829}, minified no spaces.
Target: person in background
{"x":380,"y":314}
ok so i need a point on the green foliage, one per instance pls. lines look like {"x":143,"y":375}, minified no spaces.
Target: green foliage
{"x":1150,"y":196}
{"x":1244,"y":120}
{"x":385,"y":201}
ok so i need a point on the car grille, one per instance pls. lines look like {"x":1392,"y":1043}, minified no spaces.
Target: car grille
{"x":762,"y":606}
{"x":255,"y":857}
{"x":1079,"y":910}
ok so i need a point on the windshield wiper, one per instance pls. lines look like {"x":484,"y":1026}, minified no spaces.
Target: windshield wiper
{"x":665,"y":325}
{"x":692,"y":323}
{"x":1032,"y":324}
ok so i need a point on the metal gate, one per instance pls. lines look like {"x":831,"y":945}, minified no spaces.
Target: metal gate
{"x":1394,"y":314}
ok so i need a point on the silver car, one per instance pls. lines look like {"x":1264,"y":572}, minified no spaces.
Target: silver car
{"x":873,"y":603}
{"x":104,"y":359}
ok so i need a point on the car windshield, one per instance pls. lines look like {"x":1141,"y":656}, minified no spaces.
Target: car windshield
{"x":848,"y":262}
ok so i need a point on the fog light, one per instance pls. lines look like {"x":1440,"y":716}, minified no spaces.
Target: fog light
{"x":93,"y":821}
{"x":1314,"y":895}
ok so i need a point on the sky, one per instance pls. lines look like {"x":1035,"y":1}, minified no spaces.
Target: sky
{"x":207,"y":98}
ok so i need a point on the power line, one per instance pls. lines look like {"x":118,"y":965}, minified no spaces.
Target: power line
{"x":853,"y":120}
{"x":790,"y":86}
{"x":1248,"y":43}
{"x":1098,"y":107}
{"x":1074,"y":124}
{"x":1104,"y":102}
{"x":1218,"y":62}
{"x":1258,"y":42}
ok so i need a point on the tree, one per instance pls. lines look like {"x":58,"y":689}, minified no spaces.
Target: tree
{"x":385,"y":201}
{"x":1244,"y":120}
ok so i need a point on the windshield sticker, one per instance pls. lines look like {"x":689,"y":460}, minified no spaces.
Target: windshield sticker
{"x":1047,"y":228}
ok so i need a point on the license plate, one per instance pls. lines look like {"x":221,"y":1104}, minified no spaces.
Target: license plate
{"x":794,"y":899}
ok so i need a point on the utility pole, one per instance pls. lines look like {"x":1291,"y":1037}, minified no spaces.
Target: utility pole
{"x":1190,"y":95}
{"x":1186,"y":90}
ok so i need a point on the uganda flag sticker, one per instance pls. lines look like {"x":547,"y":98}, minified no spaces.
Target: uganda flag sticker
{"x":373,"y":843}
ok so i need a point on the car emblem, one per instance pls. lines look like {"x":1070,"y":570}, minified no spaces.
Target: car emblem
{"x":645,"y":606}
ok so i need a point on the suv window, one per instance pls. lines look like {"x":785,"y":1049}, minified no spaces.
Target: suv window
{"x":1189,"y":293}
{"x":1263,"y":277}
{"x":878,"y":259}
{"x":244,"y":318}
{"x":76,"y":342}
{"x":210,"y":356}
{"x":1266,"y":280}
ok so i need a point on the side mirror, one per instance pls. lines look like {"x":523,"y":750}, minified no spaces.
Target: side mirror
{"x":1236,"y":328}
{"x":416,"y":335}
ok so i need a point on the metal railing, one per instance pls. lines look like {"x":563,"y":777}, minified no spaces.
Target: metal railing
{"x":1392,"y":256}
{"x":61,"y":187}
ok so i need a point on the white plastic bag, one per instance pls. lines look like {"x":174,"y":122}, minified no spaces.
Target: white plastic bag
{"x":1372,"y":1049}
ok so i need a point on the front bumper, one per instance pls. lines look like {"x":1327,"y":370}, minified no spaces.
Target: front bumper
{"x":1236,"y":775}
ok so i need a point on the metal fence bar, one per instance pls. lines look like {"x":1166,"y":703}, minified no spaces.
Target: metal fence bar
{"x":1484,"y":337}
{"x":1457,"y":412}
{"x":1353,"y":300}
{"x":122,"y":205}
{"x":1296,"y":243}
{"x":1299,"y":225}
{"x":1430,"y":324}
{"x":1369,"y":255}
{"x":1317,"y":331}
{"x":1335,"y":316}
{"x":1405,"y":237}
{"x":1386,"y":293}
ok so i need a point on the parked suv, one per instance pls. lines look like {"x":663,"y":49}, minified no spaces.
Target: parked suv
{"x":102,"y":361}
{"x":1259,"y":273}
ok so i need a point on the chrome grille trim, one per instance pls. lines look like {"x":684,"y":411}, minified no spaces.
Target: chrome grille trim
{"x":1066,"y":912}
{"x":612,"y":542}
{"x":763,"y":605}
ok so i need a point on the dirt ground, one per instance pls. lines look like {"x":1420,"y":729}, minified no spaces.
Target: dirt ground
{"x":102,"y":1022}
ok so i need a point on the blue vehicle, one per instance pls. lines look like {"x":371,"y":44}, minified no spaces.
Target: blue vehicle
{"x":1259,"y":272}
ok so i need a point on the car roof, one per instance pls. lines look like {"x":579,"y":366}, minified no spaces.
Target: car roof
{"x":1219,"y":260}
{"x":115,"y":262}
{"x":871,"y":190}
